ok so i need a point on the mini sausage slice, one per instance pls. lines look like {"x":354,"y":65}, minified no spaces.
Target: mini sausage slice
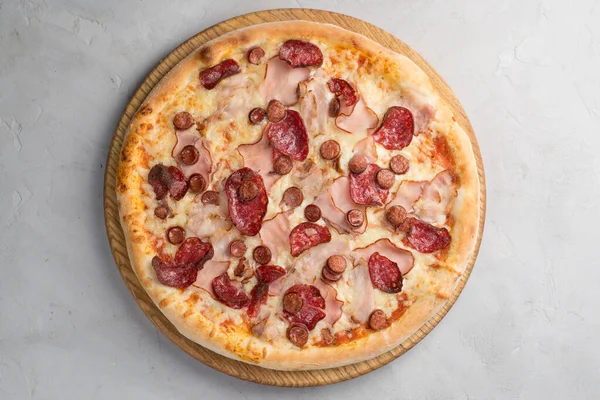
{"x":262,"y":255}
{"x":298,"y":334}
{"x":378,"y":320}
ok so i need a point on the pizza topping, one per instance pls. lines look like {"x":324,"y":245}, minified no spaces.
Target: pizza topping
{"x":257,"y":115}
{"x":237,"y":248}
{"x":240,"y":268}
{"x":326,"y":336}
{"x":426,"y":238}
{"x":292,"y":197}
{"x":183,"y":120}
{"x":210,"y":197}
{"x":402,"y":258}
{"x":360,"y":120}
{"x":175,"y":235}
{"x":275,"y":232}
{"x":261,"y":255}
{"x":299,"y":53}
{"x":399,"y":165}
{"x":385,"y":178}
{"x":269,"y":273}
{"x":333,"y":307}
{"x":248,"y":191}
{"x":330,"y":276}
{"x":336,"y":202}
{"x":178,"y":276}
{"x":281,"y":81}
{"x":231,"y":293}
{"x":385,"y":274}
{"x":437,"y":197}
{"x":358,"y":164}
{"x":355,"y":218}
{"x":297,"y":334}
{"x":396,"y":130}
{"x":167,"y":179}
{"x":259,"y":157}
{"x":194,"y":251}
{"x":292,"y":303}
{"x":333,"y":109}
{"x":311,"y":310}
{"x":209,"y":78}
{"x":378,"y":320}
{"x":330,"y":150}
{"x":275,"y":111}
{"x":307,"y":235}
{"x":247,"y":216}
{"x":206,"y":275}
{"x":361,"y":299}
{"x":408,"y":193}
{"x":197,"y":183}
{"x":255,"y":55}
{"x":366,"y":148}
{"x":258,"y":297}
{"x":289,"y":136}
{"x":364,"y":188}
{"x":189,"y":155}
{"x":312,"y":213}
{"x":161,"y":212}
{"x":396,"y":215}
{"x":314,"y":104}
{"x":336,"y":263}
{"x":283,"y":165}
{"x":344,"y":92}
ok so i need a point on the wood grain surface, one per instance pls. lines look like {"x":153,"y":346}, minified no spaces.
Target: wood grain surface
{"x":117,"y":241}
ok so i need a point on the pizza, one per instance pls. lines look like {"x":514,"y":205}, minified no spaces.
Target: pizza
{"x":296,"y":196}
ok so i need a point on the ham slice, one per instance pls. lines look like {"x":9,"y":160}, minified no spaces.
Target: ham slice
{"x":204,"y":164}
{"x":310,"y":178}
{"x":408,"y":193}
{"x":311,"y":262}
{"x":436,"y":198}
{"x":386,"y":248}
{"x":259,"y":157}
{"x":361,"y":302}
{"x":314,"y":105}
{"x":366,"y":147}
{"x":281,"y":81}
{"x":336,"y":202}
{"x":275,"y":233}
{"x":211,"y":270}
{"x":360,"y":120}
{"x":333,"y":307}
{"x":423,"y":113}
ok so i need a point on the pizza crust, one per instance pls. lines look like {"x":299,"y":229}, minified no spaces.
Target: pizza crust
{"x":232,"y":339}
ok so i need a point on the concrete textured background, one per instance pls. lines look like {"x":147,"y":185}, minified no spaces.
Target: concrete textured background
{"x":528,"y":75}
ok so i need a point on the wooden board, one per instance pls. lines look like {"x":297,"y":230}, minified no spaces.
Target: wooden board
{"x":117,"y":241}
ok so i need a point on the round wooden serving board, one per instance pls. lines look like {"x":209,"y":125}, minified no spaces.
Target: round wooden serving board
{"x":117,"y":241}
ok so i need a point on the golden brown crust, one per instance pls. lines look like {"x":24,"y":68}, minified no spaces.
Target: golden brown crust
{"x":232,"y":339}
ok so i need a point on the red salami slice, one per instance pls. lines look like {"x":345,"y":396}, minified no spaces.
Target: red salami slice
{"x":426,"y":238}
{"x":165,"y":180}
{"x":258,"y":297}
{"x":307,"y":235}
{"x":364,"y":188}
{"x":288,"y":136}
{"x":269,"y":273}
{"x":396,"y":130}
{"x":298,"y":53}
{"x":231,"y":293}
{"x":246,"y":215}
{"x":311,"y":311}
{"x":344,"y":92}
{"x":194,"y":251}
{"x":178,"y":276}
{"x":209,"y":78}
{"x":385,"y":274}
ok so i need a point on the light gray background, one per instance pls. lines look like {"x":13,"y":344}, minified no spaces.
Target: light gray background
{"x":527,"y":324}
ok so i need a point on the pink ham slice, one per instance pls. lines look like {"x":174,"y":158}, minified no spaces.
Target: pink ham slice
{"x":384,"y":247}
{"x":362,"y":303}
{"x":360,"y":120}
{"x":408,"y":193}
{"x":310,"y":263}
{"x":259,"y":157}
{"x":333,"y":306}
{"x":422,"y":112}
{"x":204,"y":164}
{"x":281,"y":81}
{"x":336,"y":202}
{"x":436,"y":198}
{"x":366,"y":147}
{"x":314,"y":105}
{"x":211,"y":270}
{"x":275,"y":233}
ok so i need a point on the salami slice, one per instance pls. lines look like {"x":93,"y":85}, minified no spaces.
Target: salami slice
{"x":246,"y":215}
{"x":258,"y":297}
{"x":288,"y":136}
{"x":194,"y":251}
{"x":385,"y":274}
{"x":364,"y":188}
{"x":209,"y":78}
{"x":165,"y":180}
{"x":307,"y":235}
{"x":178,"y":276}
{"x":299,"y":53}
{"x":345,"y":93}
{"x":231,"y":293}
{"x":312,"y":307}
{"x":426,"y":238}
{"x":268,"y":273}
{"x":396,"y":130}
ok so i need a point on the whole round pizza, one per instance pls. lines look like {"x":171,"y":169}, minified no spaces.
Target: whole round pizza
{"x":296,"y":196}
